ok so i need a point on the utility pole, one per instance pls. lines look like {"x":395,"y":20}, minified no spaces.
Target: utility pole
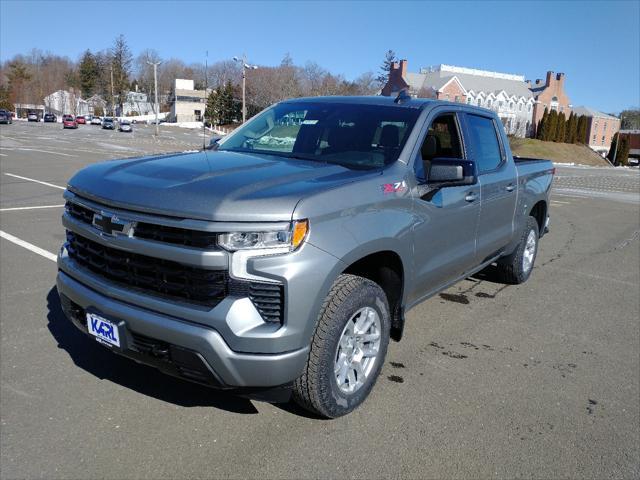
{"x":155,"y":88}
{"x":245,"y":66}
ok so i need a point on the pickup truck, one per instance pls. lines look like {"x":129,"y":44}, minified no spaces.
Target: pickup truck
{"x":284,"y":260}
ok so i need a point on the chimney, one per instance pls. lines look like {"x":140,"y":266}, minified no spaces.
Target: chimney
{"x":549,"y":78}
{"x":560,"y":78}
{"x":403,"y":68}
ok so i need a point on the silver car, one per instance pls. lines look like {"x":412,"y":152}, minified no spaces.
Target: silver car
{"x":125,"y":126}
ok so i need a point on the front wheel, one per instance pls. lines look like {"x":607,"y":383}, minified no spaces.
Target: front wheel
{"x":347,"y":349}
{"x":517,"y":267}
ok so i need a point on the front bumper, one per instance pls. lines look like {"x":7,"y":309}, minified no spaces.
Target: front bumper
{"x":199,"y":351}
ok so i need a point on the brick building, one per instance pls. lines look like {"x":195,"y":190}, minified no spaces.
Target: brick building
{"x":549,"y":96}
{"x":601,"y":128}
{"x":507,"y":94}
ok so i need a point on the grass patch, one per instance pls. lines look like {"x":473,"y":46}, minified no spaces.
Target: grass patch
{"x":556,"y":152}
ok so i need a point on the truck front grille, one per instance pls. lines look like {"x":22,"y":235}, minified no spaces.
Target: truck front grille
{"x":151,"y":231}
{"x":154,"y":276}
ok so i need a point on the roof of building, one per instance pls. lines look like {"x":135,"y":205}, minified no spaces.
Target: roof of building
{"x":590,"y":112}
{"x":191,"y":93}
{"x":476,"y":80}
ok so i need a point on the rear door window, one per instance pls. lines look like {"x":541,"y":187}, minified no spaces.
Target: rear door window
{"x":484,"y":142}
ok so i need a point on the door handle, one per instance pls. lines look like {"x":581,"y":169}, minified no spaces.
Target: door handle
{"x":510,"y":188}
{"x":471,"y":197}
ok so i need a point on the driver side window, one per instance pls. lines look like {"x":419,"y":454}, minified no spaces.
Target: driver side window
{"x":442,"y":141}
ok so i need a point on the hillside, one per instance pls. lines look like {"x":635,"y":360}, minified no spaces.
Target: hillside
{"x":557,"y":152}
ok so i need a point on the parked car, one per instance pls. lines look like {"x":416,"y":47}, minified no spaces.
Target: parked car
{"x":68,"y":121}
{"x":5,"y":117}
{"x":81,"y":120}
{"x":50,"y":117}
{"x":33,"y":117}
{"x":96,"y":121}
{"x":125,"y":126}
{"x":289,"y":257}
{"x":108,"y":123}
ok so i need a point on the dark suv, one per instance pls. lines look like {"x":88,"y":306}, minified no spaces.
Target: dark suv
{"x":50,"y":118}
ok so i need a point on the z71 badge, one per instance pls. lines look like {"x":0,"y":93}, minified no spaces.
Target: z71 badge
{"x":394,"y":187}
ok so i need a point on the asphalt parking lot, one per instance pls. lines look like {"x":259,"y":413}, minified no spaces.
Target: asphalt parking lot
{"x":538,"y":380}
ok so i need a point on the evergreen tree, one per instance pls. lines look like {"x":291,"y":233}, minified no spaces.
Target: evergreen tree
{"x":571,"y":129}
{"x":582,"y":130}
{"x":622,"y":157}
{"x":18,"y":77}
{"x":121,"y":60}
{"x":227,"y":103}
{"x":541,"y":132}
{"x":88,"y":74}
{"x":619,"y":155}
{"x":385,"y":68}
{"x":562,"y":128}
{"x":5,"y":103}
{"x":552,"y":127}
{"x":211,"y":112}
{"x":612,"y":148}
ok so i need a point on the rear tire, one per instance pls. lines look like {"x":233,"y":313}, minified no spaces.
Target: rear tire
{"x":347,"y":349}
{"x":517,"y":267}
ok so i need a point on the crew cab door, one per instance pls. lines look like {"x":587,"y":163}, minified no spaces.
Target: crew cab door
{"x":446,"y":218}
{"x":497,"y":177}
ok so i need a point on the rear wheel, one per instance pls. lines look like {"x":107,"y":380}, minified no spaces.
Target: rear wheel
{"x":347,"y":350}
{"x":517,"y":267}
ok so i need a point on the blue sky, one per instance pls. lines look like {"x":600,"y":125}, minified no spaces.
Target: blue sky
{"x":597,"y":44}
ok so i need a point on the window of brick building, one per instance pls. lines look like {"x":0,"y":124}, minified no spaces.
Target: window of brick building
{"x":456,"y":99}
{"x":594,"y":140}
{"x":602,"y":139}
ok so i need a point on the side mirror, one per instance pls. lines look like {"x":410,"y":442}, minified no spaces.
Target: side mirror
{"x":450,"y":172}
{"x":213,"y":143}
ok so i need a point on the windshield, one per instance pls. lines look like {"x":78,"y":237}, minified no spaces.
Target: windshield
{"x":353,"y":135}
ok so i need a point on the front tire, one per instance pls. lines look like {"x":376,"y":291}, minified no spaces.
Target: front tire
{"x":517,"y":267}
{"x":347,"y":349}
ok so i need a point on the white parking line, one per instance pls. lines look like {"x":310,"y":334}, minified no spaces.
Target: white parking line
{"x":36,"y":181}
{"x":41,"y":151}
{"x":13,"y":209}
{"x":28,"y":246}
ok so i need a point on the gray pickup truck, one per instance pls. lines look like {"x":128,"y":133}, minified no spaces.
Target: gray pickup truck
{"x":284,"y":259}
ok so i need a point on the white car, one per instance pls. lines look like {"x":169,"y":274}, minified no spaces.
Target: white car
{"x":96,"y":121}
{"x":125,"y":126}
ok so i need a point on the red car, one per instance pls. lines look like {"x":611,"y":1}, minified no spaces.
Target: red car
{"x":81,"y":120}
{"x":69,"y":122}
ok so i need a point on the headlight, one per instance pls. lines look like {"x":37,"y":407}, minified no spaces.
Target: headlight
{"x":291,"y":238}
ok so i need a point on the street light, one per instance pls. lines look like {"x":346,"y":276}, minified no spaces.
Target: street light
{"x":245,"y":66}
{"x":155,"y":87}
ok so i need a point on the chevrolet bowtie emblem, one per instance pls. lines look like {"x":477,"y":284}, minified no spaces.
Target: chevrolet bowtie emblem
{"x":111,"y":224}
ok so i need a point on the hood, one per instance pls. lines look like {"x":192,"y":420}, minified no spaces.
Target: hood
{"x":210,"y":185}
